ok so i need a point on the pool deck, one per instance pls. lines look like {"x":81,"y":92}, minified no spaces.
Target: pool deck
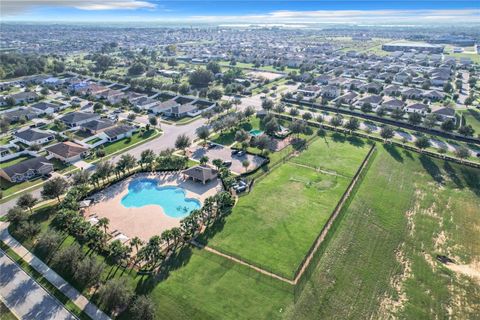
{"x":147,"y":221}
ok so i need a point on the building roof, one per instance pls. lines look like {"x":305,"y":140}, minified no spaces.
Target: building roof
{"x":44,"y":106}
{"x":32,"y":135}
{"x":445,"y":111}
{"x":393,"y":103}
{"x":118,"y":130}
{"x":75,"y":116}
{"x":96,"y":125}
{"x":371,"y":99}
{"x":66,"y":149}
{"x":202,"y":173}
{"x":418,"y":106}
{"x":184,"y":108}
{"x":24,"y":166}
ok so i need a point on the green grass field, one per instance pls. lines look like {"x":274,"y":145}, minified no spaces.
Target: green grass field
{"x":472,"y":117}
{"x":381,"y":261}
{"x":275,"y":225}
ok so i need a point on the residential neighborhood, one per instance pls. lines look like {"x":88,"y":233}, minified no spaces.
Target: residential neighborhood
{"x":230,"y":160}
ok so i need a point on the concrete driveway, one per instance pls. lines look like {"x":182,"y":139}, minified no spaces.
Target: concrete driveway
{"x":25,"y":297}
{"x":225,"y":154}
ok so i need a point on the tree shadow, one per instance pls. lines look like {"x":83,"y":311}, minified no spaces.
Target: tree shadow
{"x":408,"y":154}
{"x":356,"y":141}
{"x":452,"y":174}
{"x":393,"y":151}
{"x":148,"y":282}
{"x":431,"y":167}
{"x":472,"y":179}
{"x":337,"y":137}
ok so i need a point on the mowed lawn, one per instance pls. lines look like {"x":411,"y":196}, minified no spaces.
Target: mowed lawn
{"x":275,"y":225}
{"x":335,"y":153}
{"x":381,"y":262}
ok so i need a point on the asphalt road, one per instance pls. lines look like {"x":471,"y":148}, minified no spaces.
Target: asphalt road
{"x":25,"y":297}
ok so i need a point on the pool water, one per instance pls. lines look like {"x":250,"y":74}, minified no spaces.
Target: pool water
{"x":173,"y":200}
{"x":256,"y":132}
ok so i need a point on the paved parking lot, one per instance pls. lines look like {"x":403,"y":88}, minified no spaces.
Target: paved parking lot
{"x":225,"y":153}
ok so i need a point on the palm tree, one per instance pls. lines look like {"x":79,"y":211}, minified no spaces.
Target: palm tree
{"x":176,"y":235}
{"x":103,"y":223}
{"x":166,"y":236}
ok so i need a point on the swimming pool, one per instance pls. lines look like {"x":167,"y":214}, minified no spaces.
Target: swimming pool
{"x":256,"y":132}
{"x":173,"y":200}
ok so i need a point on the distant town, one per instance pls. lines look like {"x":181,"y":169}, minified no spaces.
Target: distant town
{"x":140,"y":165}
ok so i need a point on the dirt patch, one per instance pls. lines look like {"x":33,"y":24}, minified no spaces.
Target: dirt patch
{"x":471,"y":270}
{"x":390,"y":306}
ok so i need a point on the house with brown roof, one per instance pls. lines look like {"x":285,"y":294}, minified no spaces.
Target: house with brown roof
{"x":67,"y":151}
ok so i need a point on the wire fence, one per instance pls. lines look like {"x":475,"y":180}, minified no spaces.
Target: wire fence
{"x":311,"y":259}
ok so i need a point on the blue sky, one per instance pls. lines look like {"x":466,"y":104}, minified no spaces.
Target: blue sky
{"x":229,"y":11}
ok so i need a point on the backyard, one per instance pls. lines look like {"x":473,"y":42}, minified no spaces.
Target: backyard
{"x":277,"y":222}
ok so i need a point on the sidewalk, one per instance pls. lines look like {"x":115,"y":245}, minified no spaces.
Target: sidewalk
{"x":77,"y":298}
{"x":25,"y":298}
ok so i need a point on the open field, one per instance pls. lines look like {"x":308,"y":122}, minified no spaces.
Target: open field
{"x":275,"y":225}
{"x":381,"y":260}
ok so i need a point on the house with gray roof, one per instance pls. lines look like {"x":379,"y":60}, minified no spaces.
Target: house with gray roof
{"x":97,"y":125}
{"x":26,"y":170}
{"x":33,"y":137}
{"x":75,"y":119}
{"x":118,"y":132}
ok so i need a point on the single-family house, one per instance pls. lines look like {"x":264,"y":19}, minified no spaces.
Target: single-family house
{"x":117,"y":132}
{"x":26,"y":170}
{"x":393,"y":104}
{"x":45,"y":107}
{"x":373,"y":100}
{"x":24,"y":97}
{"x":74,"y":119}
{"x":348,"y":98}
{"x":445,"y":113}
{"x":20,"y":113}
{"x":33,"y":137}
{"x":97,"y":125}
{"x":330,"y":92}
{"x":417,"y":108}
{"x":434,"y":95}
{"x":67,"y":151}
{"x":412,"y":93}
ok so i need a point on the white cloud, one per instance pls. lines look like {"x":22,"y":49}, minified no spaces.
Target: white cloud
{"x":15,"y":7}
{"x":348,"y":16}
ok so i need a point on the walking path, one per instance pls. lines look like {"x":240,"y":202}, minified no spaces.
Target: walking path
{"x":77,"y":298}
{"x":25,"y":297}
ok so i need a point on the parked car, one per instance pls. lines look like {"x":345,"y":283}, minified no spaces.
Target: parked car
{"x":241,"y":153}
{"x":235,"y":151}
{"x":227,"y":163}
